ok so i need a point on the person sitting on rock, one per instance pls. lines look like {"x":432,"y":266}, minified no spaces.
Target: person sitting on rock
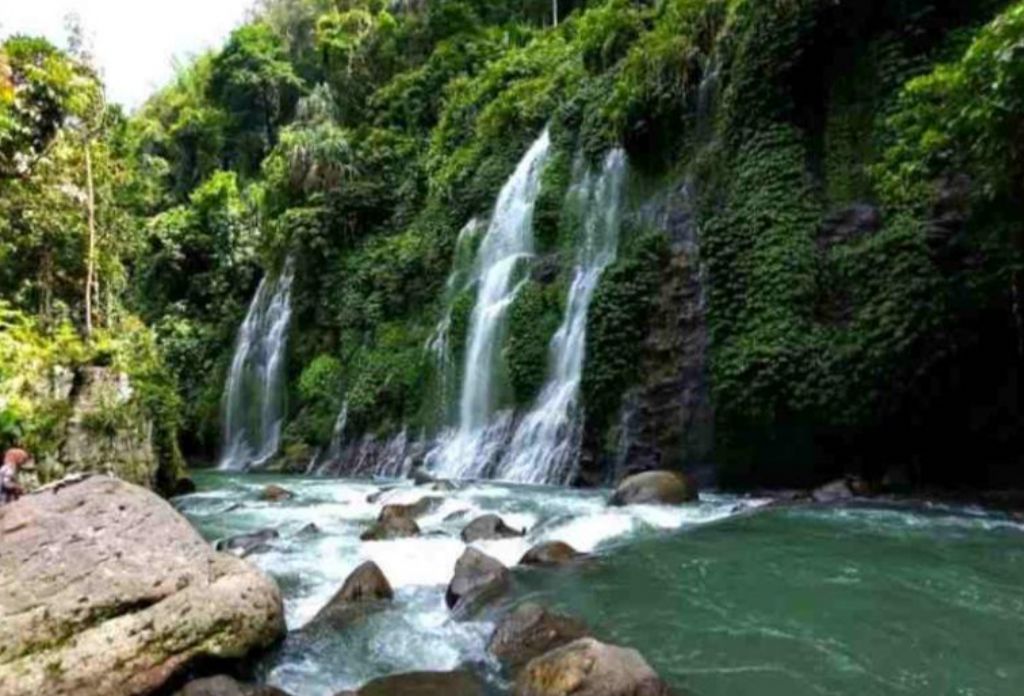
{"x":10,"y":489}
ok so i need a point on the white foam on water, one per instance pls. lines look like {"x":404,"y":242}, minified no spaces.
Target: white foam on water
{"x":417,"y":632}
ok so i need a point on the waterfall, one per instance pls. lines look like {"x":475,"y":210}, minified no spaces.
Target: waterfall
{"x":507,"y":243}
{"x":545,"y":446}
{"x":254,"y":394}
{"x":438,"y":345}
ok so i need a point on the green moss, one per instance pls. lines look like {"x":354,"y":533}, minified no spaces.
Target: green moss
{"x":617,"y":325}
{"x":533,"y":319}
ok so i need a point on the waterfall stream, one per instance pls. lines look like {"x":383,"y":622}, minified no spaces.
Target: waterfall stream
{"x":546,"y":443}
{"x":507,"y":243}
{"x":254,"y":393}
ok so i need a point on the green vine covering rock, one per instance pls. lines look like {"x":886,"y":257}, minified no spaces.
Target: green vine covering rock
{"x":842,"y":181}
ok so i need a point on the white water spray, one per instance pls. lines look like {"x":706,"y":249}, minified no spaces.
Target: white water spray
{"x":254,"y":394}
{"x":545,"y":447}
{"x":507,"y":243}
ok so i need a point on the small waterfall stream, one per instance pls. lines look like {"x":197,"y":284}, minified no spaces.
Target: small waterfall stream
{"x":253,"y":406}
{"x":507,"y":243}
{"x":546,"y":443}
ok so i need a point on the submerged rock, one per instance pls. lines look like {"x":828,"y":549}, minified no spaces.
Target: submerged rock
{"x":247,"y":544}
{"x":550,"y":553}
{"x":489,"y":527}
{"x":588,"y":667}
{"x":395,"y":527}
{"x":310,"y":530}
{"x":458,"y":683}
{"x":275,"y":494}
{"x":531,"y":631}
{"x":226,"y":686}
{"x":659,"y":487}
{"x":478,"y":578}
{"x":108,"y":590}
{"x":365,"y":586}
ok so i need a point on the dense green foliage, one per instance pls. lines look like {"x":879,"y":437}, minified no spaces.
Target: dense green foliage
{"x":359,"y":140}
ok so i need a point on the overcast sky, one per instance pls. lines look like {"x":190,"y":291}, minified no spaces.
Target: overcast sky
{"x":134,"y":42}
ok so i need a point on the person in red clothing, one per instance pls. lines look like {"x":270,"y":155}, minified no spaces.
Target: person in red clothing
{"x":14,"y":460}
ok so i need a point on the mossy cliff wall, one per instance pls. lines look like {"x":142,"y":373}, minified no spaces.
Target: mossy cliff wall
{"x":819,"y":264}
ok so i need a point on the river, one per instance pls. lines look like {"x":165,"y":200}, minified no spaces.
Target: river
{"x":724,"y":598}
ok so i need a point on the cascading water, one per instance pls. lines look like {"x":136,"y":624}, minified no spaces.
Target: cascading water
{"x":546,"y":444}
{"x":468,"y":451}
{"x":438,"y":345}
{"x":254,"y":394}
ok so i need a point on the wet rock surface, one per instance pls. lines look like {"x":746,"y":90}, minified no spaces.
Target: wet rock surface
{"x":364,"y":588}
{"x":274,"y":493}
{"x":550,"y":553}
{"x":455,"y":683}
{"x":489,"y":527}
{"x":531,"y":631}
{"x":655,"y":487}
{"x":247,"y":544}
{"x":588,"y":667}
{"x":394,"y":527}
{"x":478,"y":578}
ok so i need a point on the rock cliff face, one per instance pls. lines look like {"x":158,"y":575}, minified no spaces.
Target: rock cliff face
{"x":106,"y":432}
{"x":108,"y":590}
{"x":667,"y":420}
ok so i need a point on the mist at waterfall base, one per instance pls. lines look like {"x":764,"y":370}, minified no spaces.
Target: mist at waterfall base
{"x":724,"y":598}
{"x":253,"y":408}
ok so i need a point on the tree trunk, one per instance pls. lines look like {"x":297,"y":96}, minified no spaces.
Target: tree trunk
{"x":554,"y":11}
{"x":90,"y":259}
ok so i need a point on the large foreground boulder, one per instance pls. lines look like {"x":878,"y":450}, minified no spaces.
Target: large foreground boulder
{"x":477,"y":579}
{"x":657,"y":487}
{"x":458,"y":683}
{"x":587,"y":667}
{"x":529,"y":632}
{"x":364,"y":588}
{"x":489,"y":527}
{"x":107,"y":590}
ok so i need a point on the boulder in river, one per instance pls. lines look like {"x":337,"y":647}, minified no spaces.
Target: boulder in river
{"x":458,"y":683}
{"x":247,"y":544}
{"x":309,"y":531}
{"x":108,"y":590}
{"x":550,"y":553}
{"x":395,"y":527}
{"x":364,"y":587}
{"x":657,"y":487}
{"x":588,"y":667}
{"x":275,"y":494}
{"x":489,"y":527}
{"x":411,"y":510}
{"x":222,"y":685}
{"x":531,"y":631}
{"x":835,"y":492}
{"x":477,"y":579}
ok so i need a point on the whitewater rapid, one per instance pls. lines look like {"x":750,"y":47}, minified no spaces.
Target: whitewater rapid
{"x":416,"y":632}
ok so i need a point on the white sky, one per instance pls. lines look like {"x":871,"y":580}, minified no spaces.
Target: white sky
{"x":135,"y":42}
